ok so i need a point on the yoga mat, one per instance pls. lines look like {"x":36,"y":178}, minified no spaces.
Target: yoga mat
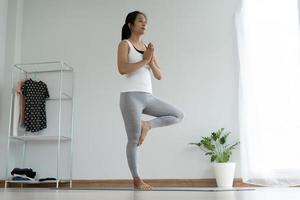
{"x":166,"y":189}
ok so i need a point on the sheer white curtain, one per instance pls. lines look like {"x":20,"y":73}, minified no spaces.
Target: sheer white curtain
{"x":269,"y":91}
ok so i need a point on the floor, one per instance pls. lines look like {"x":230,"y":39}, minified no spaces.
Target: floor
{"x":93,"y":194}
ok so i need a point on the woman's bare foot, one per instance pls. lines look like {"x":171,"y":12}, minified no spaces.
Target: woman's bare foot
{"x":140,"y":184}
{"x":145,"y":129}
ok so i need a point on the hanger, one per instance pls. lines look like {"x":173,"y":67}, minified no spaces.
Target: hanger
{"x":35,"y":77}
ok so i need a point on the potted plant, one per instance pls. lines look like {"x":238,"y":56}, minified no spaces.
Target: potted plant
{"x":219,"y":151}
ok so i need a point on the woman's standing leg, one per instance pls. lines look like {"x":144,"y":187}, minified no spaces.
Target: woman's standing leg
{"x":131,"y":110}
{"x":132,"y":105}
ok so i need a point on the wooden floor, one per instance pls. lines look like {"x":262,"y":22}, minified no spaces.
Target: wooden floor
{"x":63,"y":194}
{"x":199,"y":183}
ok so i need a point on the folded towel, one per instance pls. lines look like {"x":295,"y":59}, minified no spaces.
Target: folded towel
{"x":22,"y":177}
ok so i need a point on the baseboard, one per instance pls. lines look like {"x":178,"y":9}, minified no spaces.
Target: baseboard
{"x":128,"y":183}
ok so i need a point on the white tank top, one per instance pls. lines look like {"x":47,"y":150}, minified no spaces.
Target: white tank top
{"x":140,"y":79}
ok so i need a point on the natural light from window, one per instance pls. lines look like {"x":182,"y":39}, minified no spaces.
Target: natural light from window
{"x":270,"y":66}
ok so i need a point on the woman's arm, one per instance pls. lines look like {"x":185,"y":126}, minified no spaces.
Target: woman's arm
{"x":155,"y":68}
{"x":123,"y":66}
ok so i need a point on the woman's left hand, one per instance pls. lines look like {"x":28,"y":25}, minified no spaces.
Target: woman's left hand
{"x":151,"y":46}
{"x":153,"y":64}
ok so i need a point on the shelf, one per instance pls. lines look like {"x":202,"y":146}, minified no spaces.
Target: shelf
{"x":59,"y":75}
{"x":39,"y":138}
{"x":31,"y":182}
{"x":44,"y":67}
{"x":64,"y":96}
{"x":59,"y":99}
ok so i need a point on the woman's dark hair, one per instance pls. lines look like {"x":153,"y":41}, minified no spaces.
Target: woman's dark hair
{"x":130,"y":18}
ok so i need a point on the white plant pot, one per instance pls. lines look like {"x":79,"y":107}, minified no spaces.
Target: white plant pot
{"x":224,"y":173}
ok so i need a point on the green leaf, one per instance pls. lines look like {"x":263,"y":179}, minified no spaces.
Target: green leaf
{"x":219,"y":132}
{"x":214,"y":136}
{"x":222,"y":140}
{"x":213,"y":158}
{"x":197,"y":144}
{"x":233,"y":146}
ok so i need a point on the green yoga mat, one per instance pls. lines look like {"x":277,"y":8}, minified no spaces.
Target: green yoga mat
{"x":167,"y":189}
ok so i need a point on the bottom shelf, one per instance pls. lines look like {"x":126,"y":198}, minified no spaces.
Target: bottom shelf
{"x":32,"y":182}
{"x":37,"y":181}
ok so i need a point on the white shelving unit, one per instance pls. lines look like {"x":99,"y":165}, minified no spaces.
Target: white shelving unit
{"x":59,"y":78}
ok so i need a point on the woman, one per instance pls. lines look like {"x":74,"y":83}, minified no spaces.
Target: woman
{"x":135,"y":61}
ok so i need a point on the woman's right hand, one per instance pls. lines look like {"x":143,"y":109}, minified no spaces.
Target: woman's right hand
{"x":148,"y":53}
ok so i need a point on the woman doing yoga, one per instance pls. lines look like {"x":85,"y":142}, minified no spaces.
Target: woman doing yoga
{"x":135,"y":62}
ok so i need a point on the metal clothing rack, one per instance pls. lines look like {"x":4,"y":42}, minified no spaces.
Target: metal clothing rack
{"x":64,"y":96}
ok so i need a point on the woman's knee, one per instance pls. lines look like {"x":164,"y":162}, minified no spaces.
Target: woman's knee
{"x":180,"y":116}
{"x":133,"y":141}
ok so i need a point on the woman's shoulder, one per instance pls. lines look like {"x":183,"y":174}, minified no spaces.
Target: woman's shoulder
{"x":124,"y":42}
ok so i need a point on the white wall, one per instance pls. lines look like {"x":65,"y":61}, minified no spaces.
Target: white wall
{"x":3,"y":16}
{"x":196,"y":48}
{"x":10,"y":52}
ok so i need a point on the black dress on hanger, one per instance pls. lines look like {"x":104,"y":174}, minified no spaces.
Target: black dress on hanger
{"x":35,"y":93}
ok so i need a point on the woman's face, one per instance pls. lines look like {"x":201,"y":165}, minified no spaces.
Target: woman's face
{"x":140,"y":23}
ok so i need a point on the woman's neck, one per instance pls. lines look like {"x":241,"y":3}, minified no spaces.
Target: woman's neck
{"x":135,"y":38}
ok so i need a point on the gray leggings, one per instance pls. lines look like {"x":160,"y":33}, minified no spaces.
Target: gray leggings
{"x":132,"y":105}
